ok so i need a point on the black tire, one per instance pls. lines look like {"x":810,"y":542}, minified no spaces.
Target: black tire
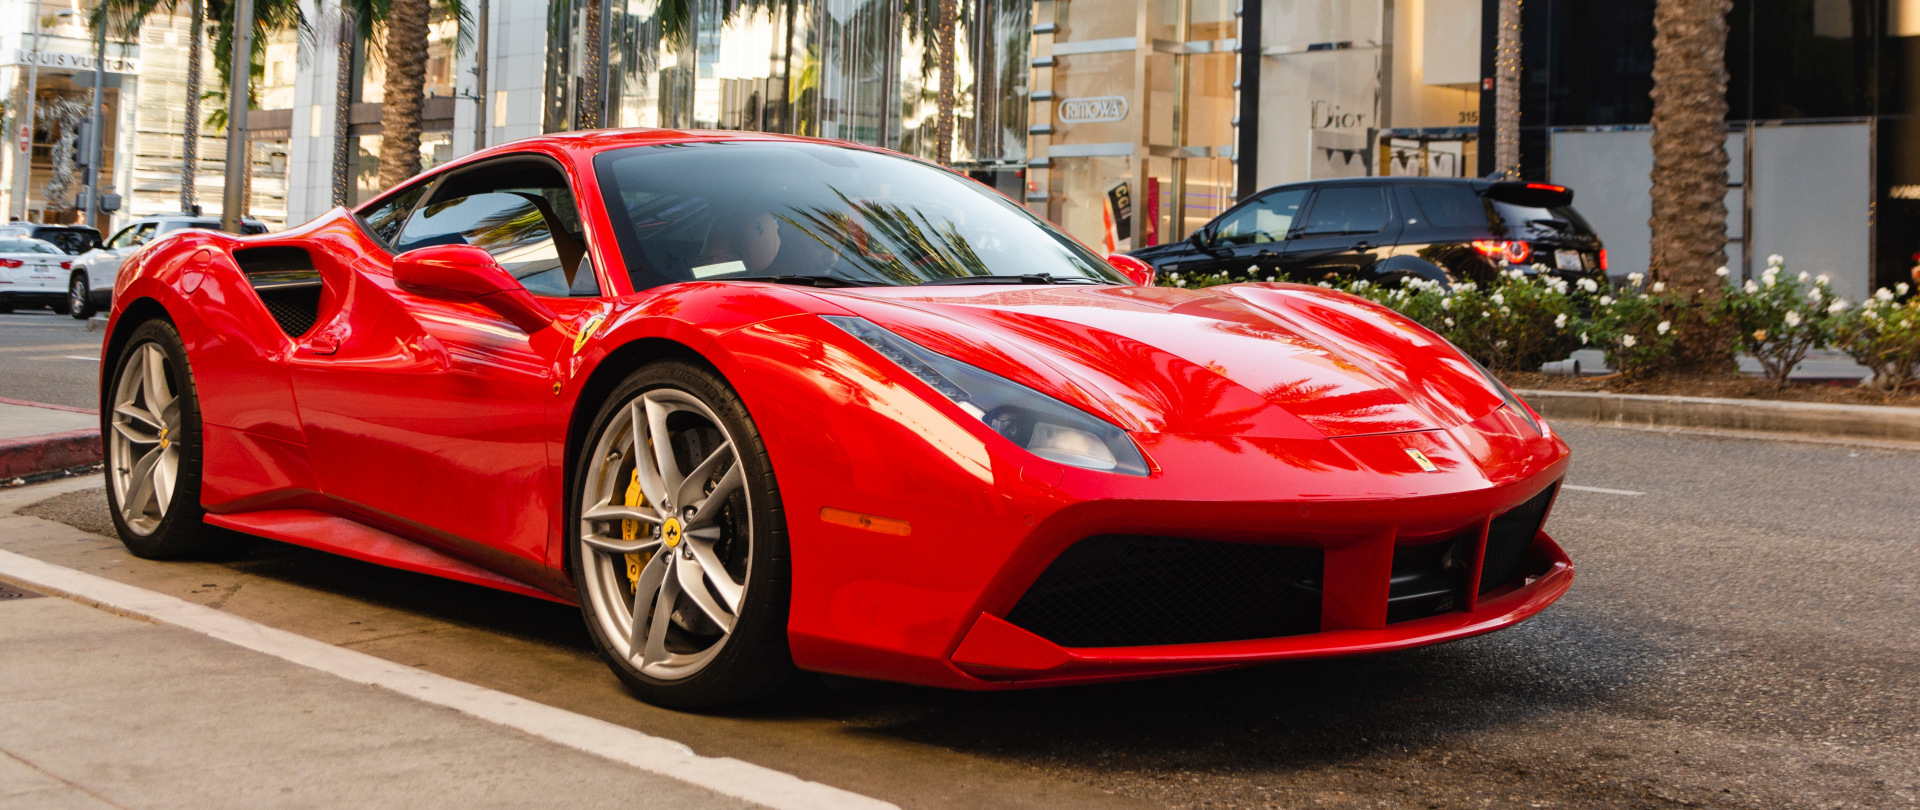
{"x":6,"y":309}
{"x":753,"y":661}
{"x":179,"y":530}
{"x":79,"y":297}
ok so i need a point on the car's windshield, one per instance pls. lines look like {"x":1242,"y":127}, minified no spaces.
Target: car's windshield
{"x":738,"y":210}
{"x":27,"y":246}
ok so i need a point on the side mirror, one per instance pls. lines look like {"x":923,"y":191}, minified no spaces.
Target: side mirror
{"x":1137,"y":271}
{"x":467,"y":274}
{"x":1200,"y":239}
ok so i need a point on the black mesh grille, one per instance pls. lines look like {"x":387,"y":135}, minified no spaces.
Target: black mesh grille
{"x":294,"y":308}
{"x":1133,"y":590}
{"x":1428,"y":579}
{"x":287,"y":284}
{"x":1509,"y":538}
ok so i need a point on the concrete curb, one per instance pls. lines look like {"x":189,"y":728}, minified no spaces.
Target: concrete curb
{"x":1869,"y":422}
{"x":32,"y":455}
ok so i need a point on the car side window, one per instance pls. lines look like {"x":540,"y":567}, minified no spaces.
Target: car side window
{"x":1347,"y":210}
{"x":385,"y":220}
{"x":133,"y":235}
{"x":1266,"y":219}
{"x":1451,"y":206}
{"x":519,"y":210}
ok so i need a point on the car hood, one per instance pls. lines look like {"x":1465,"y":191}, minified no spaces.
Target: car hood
{"x":1260,"y":360}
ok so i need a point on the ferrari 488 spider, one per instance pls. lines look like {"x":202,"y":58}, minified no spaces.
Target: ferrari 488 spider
{"x":759,"y":404}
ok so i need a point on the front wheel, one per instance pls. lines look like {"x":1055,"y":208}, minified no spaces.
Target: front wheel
{"x":153,"y":446}
{"x":79,"y":297}
{"x":678,"y":543}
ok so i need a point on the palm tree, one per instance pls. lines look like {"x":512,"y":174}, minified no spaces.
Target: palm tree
{"x":1689,"y":143}
{"x":1506,"y":92}
{"x":405,"y":92}
{"x":127,"y":17}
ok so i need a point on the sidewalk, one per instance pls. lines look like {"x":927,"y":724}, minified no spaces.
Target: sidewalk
{"x":40,"y":438}
{"x":107,"y":711}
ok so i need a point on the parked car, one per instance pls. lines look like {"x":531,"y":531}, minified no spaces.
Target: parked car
{"x":30,"y":273}
{"x":90,"y":286}
{"x":70,"y":239}
{"x":1390,"y":229}
{"x":758,"y":403}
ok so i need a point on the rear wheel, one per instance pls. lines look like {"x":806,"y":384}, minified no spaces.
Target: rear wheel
{"x":153,"y":447}
{"x":79,"y":297}
{"x":678,"y":541}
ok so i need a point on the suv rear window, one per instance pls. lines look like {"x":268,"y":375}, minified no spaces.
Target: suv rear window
{"x":1560,"y":218}
{"x":1450,"y":206}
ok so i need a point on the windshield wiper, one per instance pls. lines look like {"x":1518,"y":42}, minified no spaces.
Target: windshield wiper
{"x":1027,"y":278}
{"x":813,"y":281}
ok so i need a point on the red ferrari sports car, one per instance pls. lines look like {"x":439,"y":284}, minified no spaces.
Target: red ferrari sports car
{"x":759,"y":403}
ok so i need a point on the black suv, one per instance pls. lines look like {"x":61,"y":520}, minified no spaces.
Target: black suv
{"x":1391,"y":229}
{"x":74,"y":239}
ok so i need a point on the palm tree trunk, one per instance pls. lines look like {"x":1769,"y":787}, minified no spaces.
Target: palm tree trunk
{"x":587,"y":112}
{"x":405,"y":91}
{"x":1506,"y":92}
{"x":1689,"y":221}
{"x":190,"y":136}
{"x":943,"y":115}
{"x":342,"y":105}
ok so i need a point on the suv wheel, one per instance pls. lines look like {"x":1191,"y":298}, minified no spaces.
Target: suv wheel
{"x":79,"y":297}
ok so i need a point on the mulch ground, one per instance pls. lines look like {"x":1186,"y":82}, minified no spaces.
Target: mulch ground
{"x":1725,"y":387}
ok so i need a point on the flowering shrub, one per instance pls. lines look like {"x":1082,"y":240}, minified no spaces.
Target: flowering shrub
{"x":1640,"y":327}
{"x":1777,"y":319}
{"x":1514,"y":324}
{"x":1883,"y":334}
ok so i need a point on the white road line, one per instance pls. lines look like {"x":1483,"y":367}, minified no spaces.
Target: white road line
{"x":78,"y":357}
{"x":725,"y":775}
{"x":1603,"y":490}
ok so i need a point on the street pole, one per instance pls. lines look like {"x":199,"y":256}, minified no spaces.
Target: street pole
{"x":23,"y":173}
{"x":480,"y":83}
{"x":233,"y":198}
{"x":94,"y":137}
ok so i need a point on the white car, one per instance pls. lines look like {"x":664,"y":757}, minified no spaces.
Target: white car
{"x":90,"y":285}
{"x":31,"y":273}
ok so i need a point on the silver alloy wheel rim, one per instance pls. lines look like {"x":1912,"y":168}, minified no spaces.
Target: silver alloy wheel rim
{"x":77,"y":297}
{"x":145,"y":464}
{"x":679,"y":585}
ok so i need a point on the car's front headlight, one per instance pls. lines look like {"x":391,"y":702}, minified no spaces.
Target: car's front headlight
{"x":1044,"y":426}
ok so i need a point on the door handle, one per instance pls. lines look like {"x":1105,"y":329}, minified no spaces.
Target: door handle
{"x":1362,"y":245}
{"x":323,"y":344}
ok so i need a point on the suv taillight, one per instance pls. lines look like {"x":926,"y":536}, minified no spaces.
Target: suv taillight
{"x":1603,"y":260}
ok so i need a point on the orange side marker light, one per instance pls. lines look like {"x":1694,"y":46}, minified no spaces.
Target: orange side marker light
{"x":872,"y":523}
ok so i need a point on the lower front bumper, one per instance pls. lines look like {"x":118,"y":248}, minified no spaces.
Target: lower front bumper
{"x":1003,"y":656}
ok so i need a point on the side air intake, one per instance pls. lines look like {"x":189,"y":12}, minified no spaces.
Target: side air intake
{"x":287,"y":283}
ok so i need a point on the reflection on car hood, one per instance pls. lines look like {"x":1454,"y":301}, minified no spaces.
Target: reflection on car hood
{"x":1269,"y":360}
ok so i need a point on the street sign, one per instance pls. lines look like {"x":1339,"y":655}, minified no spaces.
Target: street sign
{"x":26,"y":137}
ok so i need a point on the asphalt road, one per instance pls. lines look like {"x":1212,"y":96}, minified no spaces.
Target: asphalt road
{"x":49,"y":357}
{"x":1741,"y":635}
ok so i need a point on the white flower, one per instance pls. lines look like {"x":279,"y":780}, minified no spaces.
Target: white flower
{"x":1560,"y":321}
{"x":1497,"y":298}
{"x":1636,"y":278}
{"x":1723,"y":272}
{"x":1823,"y":279}
{"x":1447,"y":302}
{"x":1583,"y":338}
{"x":1628,"y":341}
{"x":1659,"y":286}
{"x":1901,"y":288}
{"x":1606,"y":300}
{"x":1664,"y":327}
{"x":1751,"y":287}
{"x":1589,"y":285}
{"x":1803,"y":277}
{"x":1772,"y":271}
{"x":1793,"y":318}
{"x":1776,"y":260}
{"x":1506,"y":311}
{"x":1485,"y":314}
{"x":1814,"y":294}
{"x":1883,"y":294}
{"x":1769,"y":279}
{"x":1449,"y":321}
{"x":1179,"y":282}
{"x":1837,"y":306}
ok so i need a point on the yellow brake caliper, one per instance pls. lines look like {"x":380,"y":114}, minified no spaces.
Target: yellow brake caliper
{"x":630,"y":530}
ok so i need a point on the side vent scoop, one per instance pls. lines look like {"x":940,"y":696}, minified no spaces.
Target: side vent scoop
{"x":287,"y":283}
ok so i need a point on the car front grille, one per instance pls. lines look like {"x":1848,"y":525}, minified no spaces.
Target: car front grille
{"x":1122,"y":590}
{"x":1510,"y":537}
